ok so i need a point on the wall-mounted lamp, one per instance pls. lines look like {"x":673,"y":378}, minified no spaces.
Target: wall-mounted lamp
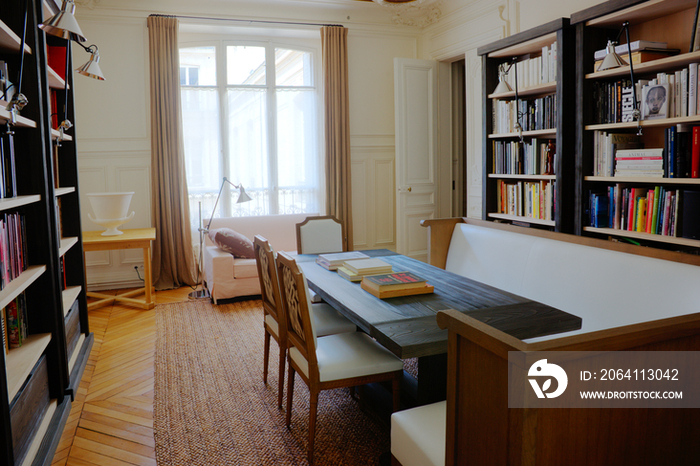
{"x":91,"y":69}
{"x":63,"y":24}
{"x":613,"y":60}
{"x":504,"y":87}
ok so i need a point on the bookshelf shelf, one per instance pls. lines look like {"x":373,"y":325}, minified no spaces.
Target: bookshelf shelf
{"x":662,"y":64}
{"x":9,"y":41}
{"x":70,"y":294}
{"x":66,"y":244}
{"x":76,"y":352}
{"x":522,"y":177}
{"x":19,"y":201}
{"x":55,"y":134}
{"x":644,"y":180}
{"x":55,"y":81}
{"x":645,"y":236}
{"x":544,"y":133}
{"x":518,"y":218}
{"x":524,"y":47}
{"x":61,"y":191}
{"x":661,"y":122}
{"x":19,"y":284}
{"x":547,"y":88}
{"x":20,"y":361}
{"x":22,"y":122}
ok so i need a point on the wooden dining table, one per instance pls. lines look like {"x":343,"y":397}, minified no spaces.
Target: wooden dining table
{"x":407,"y":325}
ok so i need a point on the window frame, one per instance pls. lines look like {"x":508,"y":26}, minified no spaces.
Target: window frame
{"x":221,"y":44}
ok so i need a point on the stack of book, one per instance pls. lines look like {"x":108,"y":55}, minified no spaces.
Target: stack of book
{"x":642,"y":51}
{"x":392,"y":285}
{"x":355,"y":270}
{"x":335,"y":260}
{"x":639,"y":162}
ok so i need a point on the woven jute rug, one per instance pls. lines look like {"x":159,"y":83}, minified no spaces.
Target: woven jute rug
{"x":212,"y":408}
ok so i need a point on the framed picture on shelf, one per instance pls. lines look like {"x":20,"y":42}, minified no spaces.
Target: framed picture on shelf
{"x":655,"y":101}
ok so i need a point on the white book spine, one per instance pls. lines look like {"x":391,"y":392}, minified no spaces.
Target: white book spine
{"x":553,"y":68}
{"x":692,"y":89}
{"x":684,"y":92}
{"x":545,"y":64}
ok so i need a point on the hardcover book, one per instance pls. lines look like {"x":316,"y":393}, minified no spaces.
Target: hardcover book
{"x":424,"y":289}
{"x":370,"y":266}
{"x":335,"y":260}
{"x":394,"y":281}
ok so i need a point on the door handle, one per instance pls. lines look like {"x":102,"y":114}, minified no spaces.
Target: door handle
{"x":405,"y":190}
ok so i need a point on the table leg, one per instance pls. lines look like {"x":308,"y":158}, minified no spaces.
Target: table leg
{"x":148,"y":278}
{"x":432,"y":378}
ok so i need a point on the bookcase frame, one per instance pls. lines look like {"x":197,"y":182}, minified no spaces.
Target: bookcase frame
{"x":668,"y":21}
{"x":51,"y":237}
{"x":564,"y":133}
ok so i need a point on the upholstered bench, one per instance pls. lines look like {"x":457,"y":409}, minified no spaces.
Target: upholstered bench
{"x":227,"y":276}
{"x":418,"y":435}
{"x":627,"y":297}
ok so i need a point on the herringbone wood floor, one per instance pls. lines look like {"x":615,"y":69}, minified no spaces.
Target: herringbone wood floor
{"x":111,"y":420}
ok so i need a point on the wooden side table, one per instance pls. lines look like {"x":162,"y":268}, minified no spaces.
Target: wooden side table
{"x":131,"y":239}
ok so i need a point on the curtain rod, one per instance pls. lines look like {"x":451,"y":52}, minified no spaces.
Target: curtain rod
{"x":252,"y":21}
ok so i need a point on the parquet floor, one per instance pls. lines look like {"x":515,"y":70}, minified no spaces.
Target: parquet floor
{"x":111,"y":420}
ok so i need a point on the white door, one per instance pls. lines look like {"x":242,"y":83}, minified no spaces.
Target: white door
{"x":415,"y":104}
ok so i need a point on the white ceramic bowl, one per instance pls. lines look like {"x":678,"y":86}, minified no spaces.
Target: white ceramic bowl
{"x":110,"y":210}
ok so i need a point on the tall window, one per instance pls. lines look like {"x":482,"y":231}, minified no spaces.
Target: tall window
{"x":249,"y":114}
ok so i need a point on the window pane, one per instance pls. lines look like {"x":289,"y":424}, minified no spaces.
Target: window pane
{"x":249,"y":165}
{"x":200,"y":122}
{"x":293,"y":68}
{"x":297,"y":155}
{"x":246,"y":65}
{"x":204,"y":60}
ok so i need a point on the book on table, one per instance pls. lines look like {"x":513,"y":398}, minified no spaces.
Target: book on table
{"x":370,"y":266}
{"x":394,"y":281}
{"x":391,"y":285}
{"x":348,"y":275}
{"x":334,"y":260}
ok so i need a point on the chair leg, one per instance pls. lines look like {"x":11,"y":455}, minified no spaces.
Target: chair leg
{"x":266,"y":355}
{"x":280,"y":388}
{"x":313,"y":409}
{"x":290,"y":394}
{"x":396,"y":392}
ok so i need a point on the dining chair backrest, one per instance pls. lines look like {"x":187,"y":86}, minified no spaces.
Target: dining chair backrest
{"x":320,"y":235}
{"x":295,"y":301}
{"x":269,"y":284}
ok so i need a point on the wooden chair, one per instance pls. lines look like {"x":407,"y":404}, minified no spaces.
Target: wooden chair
{"x":327,"y":319}
{"x":334,"y":361}
{"x":320,"y":235}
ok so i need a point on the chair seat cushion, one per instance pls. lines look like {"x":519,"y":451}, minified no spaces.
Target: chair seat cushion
{"x":272,"y":325}
{"x":346,"y":355}
{"x":328,"y":321}
{"x":314,"y":297}
{"x":418,"y":435}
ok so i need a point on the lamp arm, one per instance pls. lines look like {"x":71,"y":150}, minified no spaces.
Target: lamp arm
{"x":517,"y":101}
{"x":635,"y":113}
{"x":213,"y":212}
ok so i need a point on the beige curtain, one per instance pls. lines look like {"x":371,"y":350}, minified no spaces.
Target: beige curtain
{"x":334,"y":42}
{"x":173,"y":262}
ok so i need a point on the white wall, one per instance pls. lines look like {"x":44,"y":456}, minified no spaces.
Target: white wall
{"x":113,"y":116}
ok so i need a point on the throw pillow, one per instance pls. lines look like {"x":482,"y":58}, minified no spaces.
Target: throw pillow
{"x":232,"y":242}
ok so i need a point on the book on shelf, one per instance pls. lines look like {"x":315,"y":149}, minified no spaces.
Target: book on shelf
{"x":371,"y":266}
{"x":695,"y":153}
{"x":638,"y":209}
{"x":394,"y":281}
{"x":334,"y":260}
{"x":3,"y":326}
{"x":395,"y":293}
{"x":642,"y":56}
{"x":636,"y":45}
{"x":7,"y":158}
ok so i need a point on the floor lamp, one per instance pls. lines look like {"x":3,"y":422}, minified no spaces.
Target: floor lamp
{"x":242,"y":197}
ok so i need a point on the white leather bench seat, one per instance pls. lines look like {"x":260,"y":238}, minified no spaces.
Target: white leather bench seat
{"x":418,"y":435}
{"x":605,"y":288}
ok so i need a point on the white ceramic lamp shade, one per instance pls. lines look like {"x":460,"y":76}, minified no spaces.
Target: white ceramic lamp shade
{"x":110,"y":210}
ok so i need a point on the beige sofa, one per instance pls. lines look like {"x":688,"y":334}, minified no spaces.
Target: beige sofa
{"x":228,"y":277}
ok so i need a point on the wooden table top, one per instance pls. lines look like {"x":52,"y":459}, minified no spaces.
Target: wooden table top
{"x":407,"y":325}
{"x":135,"y":234}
